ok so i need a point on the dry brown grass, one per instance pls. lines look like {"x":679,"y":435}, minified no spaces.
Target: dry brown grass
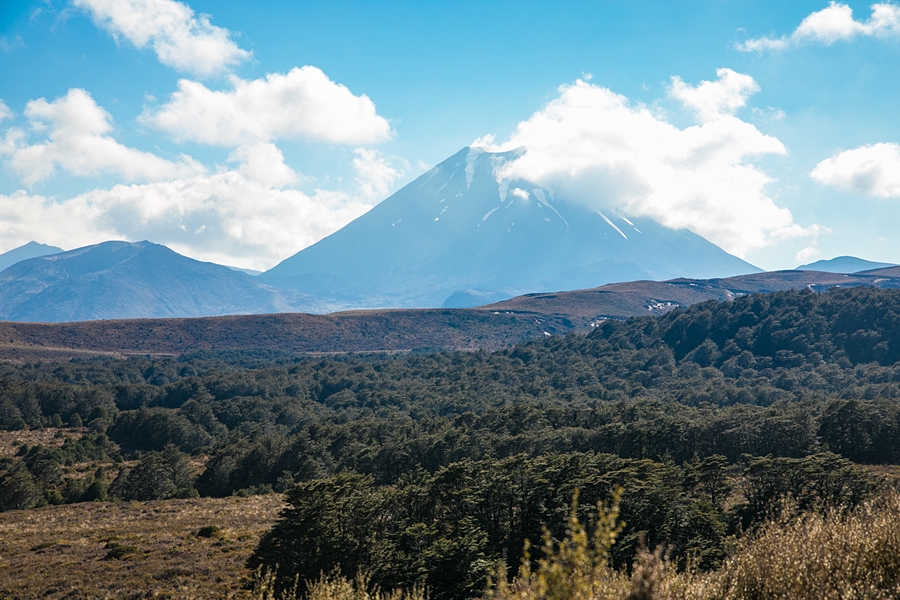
{"x":832,"y":556}
{"x":132,"y":550}
{"x":819,"y":557}
{"x":335,"y":587}
{"x":354,"y":331}
{"x":11,"y":440}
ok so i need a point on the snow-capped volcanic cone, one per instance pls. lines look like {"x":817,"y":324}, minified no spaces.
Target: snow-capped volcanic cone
{"x":457,"y":237}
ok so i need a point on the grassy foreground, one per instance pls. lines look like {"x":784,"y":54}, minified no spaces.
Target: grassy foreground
{"x":133,"y":549}
{"x":815,"y":556}
{"x":153,"y":550}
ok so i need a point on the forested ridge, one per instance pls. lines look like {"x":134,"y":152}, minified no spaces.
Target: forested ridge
{"x":705,"y":417}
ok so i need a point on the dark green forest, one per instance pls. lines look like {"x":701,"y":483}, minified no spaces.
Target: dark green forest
{"x":433,"y":466}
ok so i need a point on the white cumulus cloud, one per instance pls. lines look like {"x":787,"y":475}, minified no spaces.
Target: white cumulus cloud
{"x":593,"y":146}
{"x":872,"y":170}
{"x":78,"y":141}
{"x":25,"y":217}
{"x":5,"y":113}
{"x":302,"y":104}
{"x":240,"y":216}
{"x":180,"y":39}
{"x":263,"y":162}
{"x":714,"y":99}
{"x":832,"y":24}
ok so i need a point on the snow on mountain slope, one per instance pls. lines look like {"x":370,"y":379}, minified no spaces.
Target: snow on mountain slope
{"x":455,"y":231}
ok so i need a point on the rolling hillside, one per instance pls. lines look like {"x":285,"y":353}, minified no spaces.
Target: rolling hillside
{"x":489,"y":327}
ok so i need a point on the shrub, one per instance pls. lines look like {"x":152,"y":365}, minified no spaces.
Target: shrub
{"x":18,"y":490}
{"x":208,"y":531}
{"x":116,"y":551}
{"x":831,"y":555}
{"x":333,"y":587}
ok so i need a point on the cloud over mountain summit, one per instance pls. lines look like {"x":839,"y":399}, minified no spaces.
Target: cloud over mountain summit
{"x":598,"y":147}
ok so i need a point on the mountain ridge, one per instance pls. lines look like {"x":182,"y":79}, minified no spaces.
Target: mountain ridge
{"x":844,"y":264}
{"x":455,"y":237}
{"x":489,"y":327}
{"x":128,"y":280}
{"x":30,"y":250}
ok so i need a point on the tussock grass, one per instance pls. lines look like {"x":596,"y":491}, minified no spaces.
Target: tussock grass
{"x":833,"y":555}
{"x":334,"y":587}
{"x":132,"y":549}
{"x":11,"y":441}
{"x":815,"y":556}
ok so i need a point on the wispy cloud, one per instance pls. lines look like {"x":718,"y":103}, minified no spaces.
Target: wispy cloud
{"x":832,"y":24}
{"x":807,"y":254}
{"x":375,"y":174}
{"x":180,"y":39}
{"x":301,"y":104}
{"x":872,"y":170}
{"x":7,"y":45}
{"x":769,"y":114}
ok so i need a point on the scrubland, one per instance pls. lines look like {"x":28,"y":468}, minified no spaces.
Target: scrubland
{"x":426,"y":472}
{"x":830,"y":555}
{"x":133,"y":549}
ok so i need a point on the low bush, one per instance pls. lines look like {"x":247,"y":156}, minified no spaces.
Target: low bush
{"x":830,"y":555}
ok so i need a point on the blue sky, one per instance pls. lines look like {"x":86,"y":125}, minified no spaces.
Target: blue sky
{"x":242,"y":132}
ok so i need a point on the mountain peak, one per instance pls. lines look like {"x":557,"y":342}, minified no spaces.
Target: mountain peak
{"x":457,"y":228}
{"x":30,"y":250}
{"x":844,"y":264}
{"x":116,"y":279}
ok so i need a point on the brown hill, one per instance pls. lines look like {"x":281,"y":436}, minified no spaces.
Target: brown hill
{"x":489,"y":327}
{"x":356,"y":331}
{"x":641,"y":298}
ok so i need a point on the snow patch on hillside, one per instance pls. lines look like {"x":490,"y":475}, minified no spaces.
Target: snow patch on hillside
{"x":611,"y":224}
{"x":470,"y":164}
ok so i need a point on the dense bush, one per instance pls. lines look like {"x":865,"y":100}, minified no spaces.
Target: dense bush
{"x":449,"y":530}
{"x":809,"y":556}
{"x":157,"y":476}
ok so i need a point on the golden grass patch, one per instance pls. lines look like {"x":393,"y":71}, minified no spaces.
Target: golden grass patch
{"x":10,"y":441}
{"x":132,"y":549}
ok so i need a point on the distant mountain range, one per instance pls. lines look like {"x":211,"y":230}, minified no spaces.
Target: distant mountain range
{"x":844,"y":264}
{"x":29,"y":250}
{"x":457,"y":237}
{"x":120,"y":280}
{"x":488,"y":327}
